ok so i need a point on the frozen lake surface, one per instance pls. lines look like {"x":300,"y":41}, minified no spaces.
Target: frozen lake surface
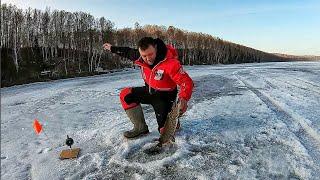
{"x":245,"y":121}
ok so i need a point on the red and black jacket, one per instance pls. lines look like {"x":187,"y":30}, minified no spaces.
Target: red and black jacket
{"x":166,"y":72}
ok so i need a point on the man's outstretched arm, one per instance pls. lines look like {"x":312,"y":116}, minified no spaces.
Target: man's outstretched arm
{"x":126,"y":52}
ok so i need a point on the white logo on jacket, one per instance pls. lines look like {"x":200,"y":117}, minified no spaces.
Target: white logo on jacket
{"x":159,"y":74}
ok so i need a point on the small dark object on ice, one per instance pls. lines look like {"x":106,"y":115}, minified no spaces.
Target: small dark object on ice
{"x":69,"y":141}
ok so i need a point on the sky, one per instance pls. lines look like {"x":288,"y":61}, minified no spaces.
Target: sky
{"x":286,"y":26}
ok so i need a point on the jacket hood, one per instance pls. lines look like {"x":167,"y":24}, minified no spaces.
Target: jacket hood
{"x":171,"y":52}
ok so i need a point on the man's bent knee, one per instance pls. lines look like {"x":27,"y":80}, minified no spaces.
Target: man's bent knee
{"x":124,"y":98}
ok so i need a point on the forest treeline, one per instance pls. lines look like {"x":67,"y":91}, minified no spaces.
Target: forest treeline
{"x":39,"y":45}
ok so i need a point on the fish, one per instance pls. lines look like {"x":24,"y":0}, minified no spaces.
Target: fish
{"x":170,"y":125}
{"x":167,"y":137}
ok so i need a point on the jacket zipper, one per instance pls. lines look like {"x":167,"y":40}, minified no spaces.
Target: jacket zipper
{"x":152,"y":74}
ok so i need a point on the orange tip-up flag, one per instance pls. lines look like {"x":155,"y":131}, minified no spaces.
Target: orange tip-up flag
{"x":37,"y":126}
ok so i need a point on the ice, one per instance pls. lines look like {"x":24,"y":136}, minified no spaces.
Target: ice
{"x":245,"y":121}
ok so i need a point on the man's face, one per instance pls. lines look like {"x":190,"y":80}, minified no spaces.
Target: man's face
{"x":148,"y":55}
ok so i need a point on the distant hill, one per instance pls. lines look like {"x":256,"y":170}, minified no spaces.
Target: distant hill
{"x":298,"y":58}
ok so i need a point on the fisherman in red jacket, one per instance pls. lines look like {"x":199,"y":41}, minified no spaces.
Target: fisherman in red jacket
{"x":162,"y":73}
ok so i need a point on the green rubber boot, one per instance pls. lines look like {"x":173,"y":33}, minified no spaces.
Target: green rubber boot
{"x":139,"y":124}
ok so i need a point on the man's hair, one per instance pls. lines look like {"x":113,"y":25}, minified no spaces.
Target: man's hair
{"x":145,"y":42}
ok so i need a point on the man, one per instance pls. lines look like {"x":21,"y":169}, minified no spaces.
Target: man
{"x":162,"y":72}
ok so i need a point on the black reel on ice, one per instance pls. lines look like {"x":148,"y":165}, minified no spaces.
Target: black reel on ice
{"x":69,"y":141}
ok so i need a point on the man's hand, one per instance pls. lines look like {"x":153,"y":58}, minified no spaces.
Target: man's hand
{"x":107,"y":46}
{"x":183,"y":105}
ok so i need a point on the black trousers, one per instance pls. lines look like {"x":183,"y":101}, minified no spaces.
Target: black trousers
{"x":161,"y":101}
